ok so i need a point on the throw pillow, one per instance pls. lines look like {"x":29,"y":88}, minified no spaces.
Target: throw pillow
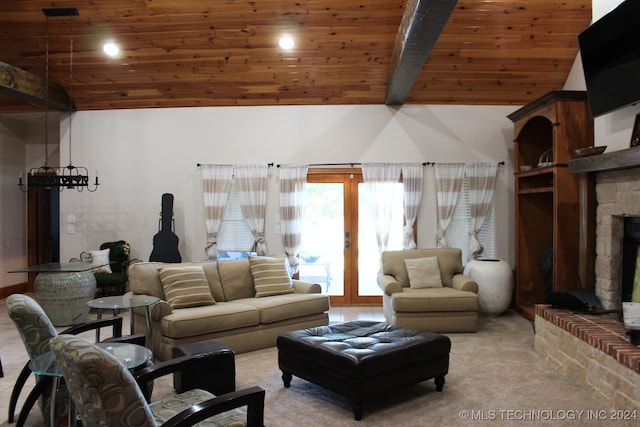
{"x":185,"y":286}
{"x":423,"y":272}
{"x":270,"y":276}
{"x":100,"y":258}
{"x":236,"y":279}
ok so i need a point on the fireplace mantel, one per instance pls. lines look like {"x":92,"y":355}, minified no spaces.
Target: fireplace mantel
{"x":622,"y":159}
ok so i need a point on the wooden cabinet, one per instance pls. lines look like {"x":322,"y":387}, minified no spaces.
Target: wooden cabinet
{"x":547,"y":218}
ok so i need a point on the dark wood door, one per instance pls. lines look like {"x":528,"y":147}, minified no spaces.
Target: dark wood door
{"x":43,"y":229}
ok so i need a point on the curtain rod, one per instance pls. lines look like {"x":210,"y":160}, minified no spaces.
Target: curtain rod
{"x":342,"y":164}
{"x":345,"y":164}
{"x":360,"y":164}
{"x":204,"y":164}
{"x":433,"y":163}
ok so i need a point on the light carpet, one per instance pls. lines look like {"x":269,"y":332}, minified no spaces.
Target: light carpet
{"x":495,"y":379}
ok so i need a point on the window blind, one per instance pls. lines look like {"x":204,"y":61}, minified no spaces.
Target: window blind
{"x":234,"y":234}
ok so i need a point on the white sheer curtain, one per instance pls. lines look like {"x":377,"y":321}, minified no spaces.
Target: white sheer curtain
{"x":293,"y":200}
{"x":481,"y":183}
{"x":380,"y":182}
{"x":216,"y":181}
{"x":252,"y":193}
{"x":449,"y":178}
{"x":412,"y":178}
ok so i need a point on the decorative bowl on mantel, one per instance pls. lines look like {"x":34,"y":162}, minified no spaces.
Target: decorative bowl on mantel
{"x":591,"y":151}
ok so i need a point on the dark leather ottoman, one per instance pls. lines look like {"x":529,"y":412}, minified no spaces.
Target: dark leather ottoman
{"x":363,"y":358}
{"x":215,"y":370}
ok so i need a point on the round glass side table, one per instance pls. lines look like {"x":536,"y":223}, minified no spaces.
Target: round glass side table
{"x":128,"y":301}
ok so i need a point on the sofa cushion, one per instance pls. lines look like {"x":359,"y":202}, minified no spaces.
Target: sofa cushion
{"x":423,"y":272}
{"x":289,"y":306}
{"x":236,"y":279}
{"x":449,"y":260}
{"x":144,"y":279}
{"x":213,"y":277}
{"x":434,"y":300}
{"x":185,"y":286}
{"x":270,"y":276}
{"x":196,"y":321}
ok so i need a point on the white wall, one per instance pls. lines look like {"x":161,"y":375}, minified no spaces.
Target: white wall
{"x":612,"y":129}
{"x":13,"y":241}
{"x":141,"y":154}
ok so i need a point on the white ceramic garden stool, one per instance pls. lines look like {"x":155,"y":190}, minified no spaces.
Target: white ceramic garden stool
{"x":495,"y":284}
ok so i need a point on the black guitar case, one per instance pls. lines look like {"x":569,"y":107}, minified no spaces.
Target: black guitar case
{"x":165,"y":242}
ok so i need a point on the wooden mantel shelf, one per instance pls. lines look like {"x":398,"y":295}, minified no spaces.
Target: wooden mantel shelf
{"x":622,"y":159}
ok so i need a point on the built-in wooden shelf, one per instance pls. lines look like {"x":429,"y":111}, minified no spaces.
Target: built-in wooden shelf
{"x":547,"y":132}
{"x":536,"y":190}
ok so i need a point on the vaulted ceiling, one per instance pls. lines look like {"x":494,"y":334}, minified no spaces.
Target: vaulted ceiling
{"x":189,"y":53}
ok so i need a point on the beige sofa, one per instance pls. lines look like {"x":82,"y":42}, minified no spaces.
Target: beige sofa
{"x":449,"y":307}
{"x":237,"y":319}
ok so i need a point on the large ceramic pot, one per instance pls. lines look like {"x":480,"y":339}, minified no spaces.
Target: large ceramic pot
{"x":64,"y":295}
{"x":495,"y":284}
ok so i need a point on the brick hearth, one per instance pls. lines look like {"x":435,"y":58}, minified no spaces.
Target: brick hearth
{"x":592,"y":349}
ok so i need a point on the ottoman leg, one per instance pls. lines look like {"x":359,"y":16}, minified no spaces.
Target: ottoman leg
{"x":439,"y":383}
{"x":214,"y":369}
{"x":357,"y":411}
{"x":286,"y":379}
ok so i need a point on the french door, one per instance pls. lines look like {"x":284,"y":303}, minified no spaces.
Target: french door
{"x":339,"y":247}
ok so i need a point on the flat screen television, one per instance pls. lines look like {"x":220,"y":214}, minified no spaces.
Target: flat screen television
{"x":610,"y":51}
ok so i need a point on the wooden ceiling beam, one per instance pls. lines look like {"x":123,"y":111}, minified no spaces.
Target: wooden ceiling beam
{"x":421,"y":25}
{"x":21,"y":84}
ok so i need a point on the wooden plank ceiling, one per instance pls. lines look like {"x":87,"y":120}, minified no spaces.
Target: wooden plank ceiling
{"x":192,"y":53}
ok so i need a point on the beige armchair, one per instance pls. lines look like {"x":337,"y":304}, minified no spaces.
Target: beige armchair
{"x":415,"y":297}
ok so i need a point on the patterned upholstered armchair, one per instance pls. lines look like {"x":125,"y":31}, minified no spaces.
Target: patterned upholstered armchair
{"x":105,"y":393}
{"x":36,"y":330}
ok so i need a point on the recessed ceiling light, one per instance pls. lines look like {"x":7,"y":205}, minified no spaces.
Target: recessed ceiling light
{"x":111,"y":49}
{"x":286,"y":42}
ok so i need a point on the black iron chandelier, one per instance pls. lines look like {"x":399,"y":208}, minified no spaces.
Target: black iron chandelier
{"x":60,"y":177}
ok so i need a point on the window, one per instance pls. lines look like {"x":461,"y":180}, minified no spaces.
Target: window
{"x":460,"y":227}
{"x":234,"y":234}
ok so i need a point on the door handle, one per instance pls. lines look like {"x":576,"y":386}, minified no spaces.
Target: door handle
{"x":347,"y":244}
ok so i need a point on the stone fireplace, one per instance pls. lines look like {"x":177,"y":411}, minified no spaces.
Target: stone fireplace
{"x":594,"y":349}
{"x":618,"y":196}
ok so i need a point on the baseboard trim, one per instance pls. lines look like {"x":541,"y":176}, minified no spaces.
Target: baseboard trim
{"x":19,"y":288}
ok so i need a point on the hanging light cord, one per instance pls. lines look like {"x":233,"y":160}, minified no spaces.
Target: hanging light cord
{"x":70,"y":86}
{"x":46,"y":96}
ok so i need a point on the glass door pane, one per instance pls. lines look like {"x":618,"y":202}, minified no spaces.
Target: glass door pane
{"x":339,"y":245}
{"x":322,"y":255}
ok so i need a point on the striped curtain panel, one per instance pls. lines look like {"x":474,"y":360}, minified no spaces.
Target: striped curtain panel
{"x":481,"y":182}
{"x":293,"y":200}
{"x":380,"y":182}
{"x":412,"y":178}
{"x":449,"y":178}
{"x":252,"y":193}
{"x":216,"y":181}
